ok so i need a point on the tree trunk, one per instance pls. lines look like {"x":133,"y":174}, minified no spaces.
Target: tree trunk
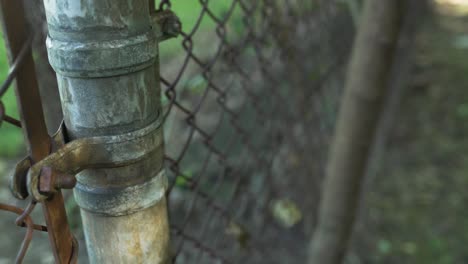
{"x":361,"y":105}
{"x":416,"y":13}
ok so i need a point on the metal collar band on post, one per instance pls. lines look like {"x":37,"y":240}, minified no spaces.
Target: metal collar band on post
{"x":97,"y":152}
{"x":102,"y":58}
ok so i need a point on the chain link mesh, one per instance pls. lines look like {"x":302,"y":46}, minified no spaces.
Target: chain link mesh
{"x":249,"y":110}
{"x":24,"y":219}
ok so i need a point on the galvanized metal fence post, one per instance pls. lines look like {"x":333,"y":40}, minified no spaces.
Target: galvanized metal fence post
{"x":104,"y":53}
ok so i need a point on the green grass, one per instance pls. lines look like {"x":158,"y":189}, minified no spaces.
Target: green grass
{"x":189,"y":13}
{"x":11,"y":139}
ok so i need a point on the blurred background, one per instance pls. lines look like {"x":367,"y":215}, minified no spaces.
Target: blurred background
{"x":415,"y":205}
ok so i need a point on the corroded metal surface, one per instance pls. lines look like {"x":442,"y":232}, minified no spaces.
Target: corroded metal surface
{"x":94,"y":152}
{"x":118,"y":47}
{"x":120,"y":201}
{"x":105,"y":52}
{"x":135,"y":240}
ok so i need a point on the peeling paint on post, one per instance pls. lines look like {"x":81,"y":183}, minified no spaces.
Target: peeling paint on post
{"x":104,"y":53}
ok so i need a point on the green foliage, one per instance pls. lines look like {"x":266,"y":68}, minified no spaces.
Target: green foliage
{"x":197,"y":84}
{"x":189,"y":13}
{"x":183,"y":180}
{"x":11,"y":138}
{"x":286,"y":212}
{"x":384,"y":247}
{"x":462,"y":110}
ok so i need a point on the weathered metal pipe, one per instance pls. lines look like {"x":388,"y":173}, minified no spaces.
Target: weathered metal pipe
{"x":104,"y":53}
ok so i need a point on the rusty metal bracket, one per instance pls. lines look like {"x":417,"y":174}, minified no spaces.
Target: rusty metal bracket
{"x":53,"y":172}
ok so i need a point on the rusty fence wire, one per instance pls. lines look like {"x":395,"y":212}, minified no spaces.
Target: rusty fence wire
{"x":250,"y":94}
{"x":20,"y":56}
{"x":19,"y":39}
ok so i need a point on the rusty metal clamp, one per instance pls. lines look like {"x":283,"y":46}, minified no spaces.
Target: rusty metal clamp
{"x":58,"y":169}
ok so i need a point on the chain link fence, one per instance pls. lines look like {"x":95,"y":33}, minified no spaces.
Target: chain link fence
{"x":250,"y":94}
{"x":257,"y":82}
{"x":20,"y":67}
